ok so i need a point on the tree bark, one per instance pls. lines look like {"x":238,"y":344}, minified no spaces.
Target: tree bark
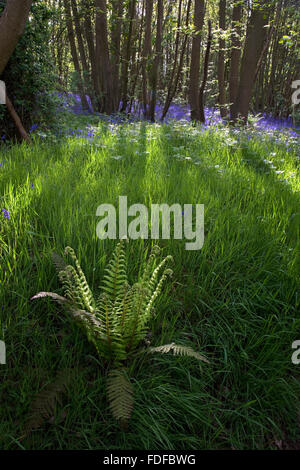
{"x":12,"y":25}
{"x":221,"y":59}
{"x":118,"y":6}
{"x":126,"y":58}
{"x":174,"y":81}
{"x":255,"y":37}
{"x":156,"y":63}
{"x":235,"y":59}
{"x":205,"y":73}
{"x":199,"y":14}
{"x":79,"y":37}
{"x":17,"y":120}
{"x":74,"y":54}
{"x":147,"y":52}
{"x":89,"y":34}
{"x":108,"y":101}
{"x":167,"y":103}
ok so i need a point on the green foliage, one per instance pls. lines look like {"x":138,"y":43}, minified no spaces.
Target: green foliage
{"x":30,"y":75}
{"x":117,"y":320}
{"x":237,"y":297}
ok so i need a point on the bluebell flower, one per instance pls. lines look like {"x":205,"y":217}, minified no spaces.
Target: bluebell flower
{"x":34,"y":126}
{"x":6,"y":213}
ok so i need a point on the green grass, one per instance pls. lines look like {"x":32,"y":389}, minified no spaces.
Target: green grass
{"x":235,"y":300}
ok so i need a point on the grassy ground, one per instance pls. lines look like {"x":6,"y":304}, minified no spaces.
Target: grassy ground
{"x":235,"y":300}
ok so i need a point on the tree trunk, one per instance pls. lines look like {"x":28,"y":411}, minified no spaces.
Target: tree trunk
{"x":82,"y":54}
{"x":79,"y":37}
{"x":147,"y":52}
{"x":126,"y":59}
{"x":205,"y":73}
{"x":269,"y":37}
{"x":17,"y":120}
{"x":168,"y":100}
{"x":90,"y":40}
{"x":74,"y":54}
{"x":173,"y":86}
{"x":221,"y":58}
{"x":137,"y":63}
{"x":235,"y":59}
{"x":156,"y":63}
{"x":108,"y":101}
{"x":255,"y":37}
{"x":118,"y":6}
{"x":12,"y":25}
{"x":199,"y":14}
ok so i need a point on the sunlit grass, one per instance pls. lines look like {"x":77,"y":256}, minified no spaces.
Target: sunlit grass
{"x":236,"y":299}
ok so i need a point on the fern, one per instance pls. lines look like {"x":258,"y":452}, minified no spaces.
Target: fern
{"x":120,"y":395}
{"x":178,"y":350}
{"x":44,"y":404}
{"x":115,"y":274}
{"x":117,"y":320}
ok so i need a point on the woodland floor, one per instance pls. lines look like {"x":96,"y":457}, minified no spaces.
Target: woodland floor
{"x":236,"y":300}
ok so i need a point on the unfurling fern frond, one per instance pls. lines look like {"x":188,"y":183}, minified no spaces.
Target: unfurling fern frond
{"x":120,"y":395}
{"x":44,"y":404}
{"x":178,"y":349}
{"x":81,"y":282}
{"x":149,"y":302}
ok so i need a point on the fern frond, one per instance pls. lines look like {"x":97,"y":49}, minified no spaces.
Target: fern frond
{"x":113,"y":348}
{"x":144,"y":319}
{"x":178,"y":350}
{"x":88,"y":319}
{"x":123,"y":305}
{"x":115,"y":274}
{"x":120,"y":395}
{"x":154,"y":278}
{"x":53,"y":295}
{"x":45,"y":402}
{"x":148,"y":270}
{"x":132,"y":329}
{"x":81,"y":282}
{"x":70,"y":287}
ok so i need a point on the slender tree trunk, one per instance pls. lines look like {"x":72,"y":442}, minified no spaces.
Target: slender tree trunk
{"x":167,"y":103}
{"x":205,"y":73}
{"x":174,"y":82}
{"x":221,"y":59}
{"x":128,"y":51}
{"x":118,"y":7}
{"x":138,"y":64}
{"x":235,"y":59}
{"x":17,"y":120}
{"x":269,"y":37}
{"x":109,"y":103}
{"x":147,"y":52}
{"x":79,"y":37}
{"x":90,"y":40}
{"x":156,"y":63}
{"x":82,"y":54}
{"x":199,"y":14}
{"x":255,"y":37}
{"x":74,"y":54}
